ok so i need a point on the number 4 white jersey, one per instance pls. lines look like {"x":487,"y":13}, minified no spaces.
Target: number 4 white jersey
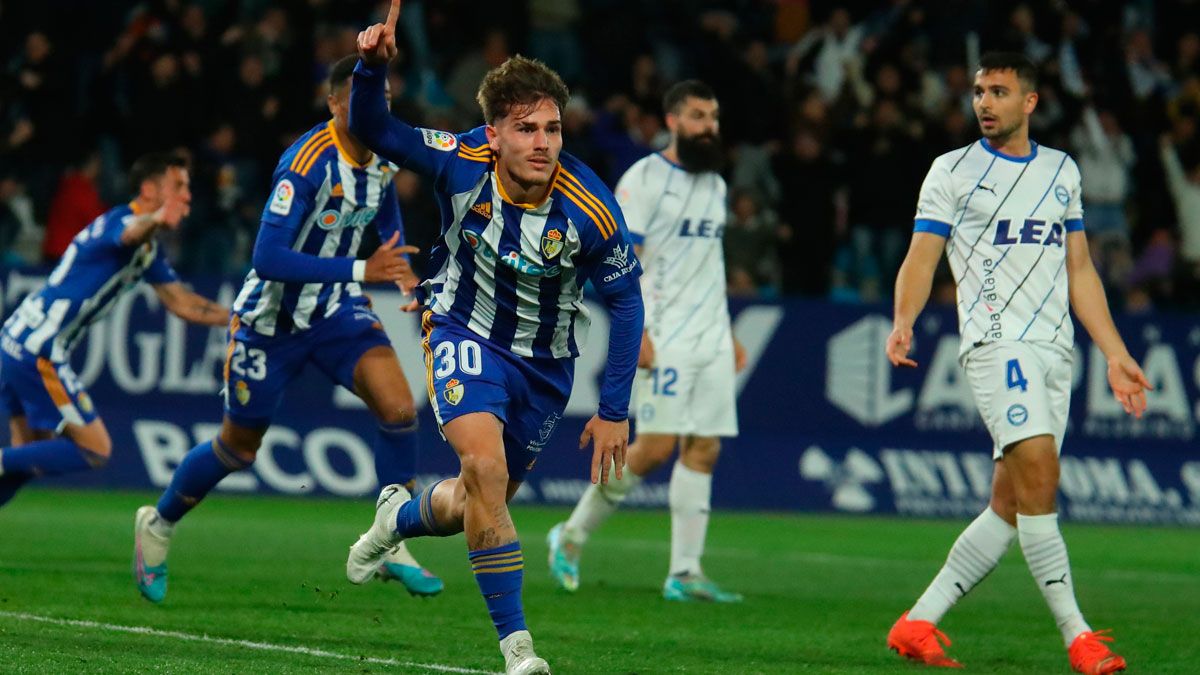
{"x":1006,"y":221}
{"x":678,"y":218}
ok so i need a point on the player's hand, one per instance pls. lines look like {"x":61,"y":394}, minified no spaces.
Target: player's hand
{"x":609,"y":440}
{"x":387,"y":263}
{"x":646,"y":354}
{"x":413,"y":306}
{"x":739,"y":356}
{"x":899,"y":343}
{"x":1129,"y":384}
{"x":171,"y":213}
{"x":377,"y":44}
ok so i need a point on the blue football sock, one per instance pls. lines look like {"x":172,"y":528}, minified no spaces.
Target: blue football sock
{"x":52,"y":457}
{"x":415,"y":517}
{"x":396,"y":453}
{"x":199,"y":472}
{"x":499,"y":572}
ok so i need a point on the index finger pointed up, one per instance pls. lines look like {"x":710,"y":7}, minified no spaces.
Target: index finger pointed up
{"x":393,"y":16}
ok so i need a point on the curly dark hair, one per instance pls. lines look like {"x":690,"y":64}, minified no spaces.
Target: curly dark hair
{"x":519,"y":82}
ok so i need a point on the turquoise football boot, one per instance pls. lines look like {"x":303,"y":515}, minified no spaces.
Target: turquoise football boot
{"x":148,"y":548}
{"x":698,"y":588}
{"x":563,"y":559}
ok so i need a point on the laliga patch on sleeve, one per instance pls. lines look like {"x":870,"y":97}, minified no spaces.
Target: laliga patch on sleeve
{"x":281,"y":199}
{"x":439,"y":140}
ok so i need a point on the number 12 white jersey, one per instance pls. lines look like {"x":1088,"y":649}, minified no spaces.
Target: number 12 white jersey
{"x":678,"y":218}
{"x":1006,"y":221}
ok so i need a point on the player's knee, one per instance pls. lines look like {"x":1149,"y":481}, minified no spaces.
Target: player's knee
{"x":484,"y":473}
{"x":96,"y":460}
{"x":96,"y":448}
{"x":398,"y":414}
{"x":700,"y":454}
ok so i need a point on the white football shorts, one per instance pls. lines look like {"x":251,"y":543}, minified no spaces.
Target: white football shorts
{"x":1022,"y":390}
{"x":687,"y":395}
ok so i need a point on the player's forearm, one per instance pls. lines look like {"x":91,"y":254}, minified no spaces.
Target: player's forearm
{"x":914,"y":283}
{"x":195,"y":308}
{"x":1091,"y":308}
{"x":140,"y":229}
{"x":371,"y":121}
{"x":624,"y":343}
{"x":274,"y":260}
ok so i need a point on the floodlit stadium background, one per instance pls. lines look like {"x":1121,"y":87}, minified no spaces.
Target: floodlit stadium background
{"x":830,"y":113}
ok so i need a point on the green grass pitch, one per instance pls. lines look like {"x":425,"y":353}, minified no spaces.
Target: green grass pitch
{"x":821,"y":593}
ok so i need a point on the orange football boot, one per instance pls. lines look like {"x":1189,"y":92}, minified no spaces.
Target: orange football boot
{"x":1090,"y":655}
{"x":921,"y":641}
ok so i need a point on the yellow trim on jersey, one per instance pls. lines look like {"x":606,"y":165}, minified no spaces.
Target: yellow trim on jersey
{"x":427,"y":328}
{"x":571,"y":192}
{"x":609,"y":224}
{"x":478,"y":151}
{"x":303,"y":154}
{"x":342,"y":150}
{"x":527,"y":205}
{"x":133,"y":206}
{"x":234,"y":323}
{"x":312,"y":161}
{"x":50,"y":380}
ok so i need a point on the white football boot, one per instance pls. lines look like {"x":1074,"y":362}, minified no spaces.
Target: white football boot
{"x":368,"y":553}
{"x":519,"y":658}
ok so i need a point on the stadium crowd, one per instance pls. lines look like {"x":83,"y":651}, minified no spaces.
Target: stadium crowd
{"x":831,"y":115}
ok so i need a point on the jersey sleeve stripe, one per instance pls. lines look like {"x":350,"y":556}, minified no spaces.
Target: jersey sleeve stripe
{"x":609,"y":224}
{"x":569,"y":194}
{"x":932,"y":226}
{"x":482,"y":159}
{"x":481,"y":151}
{"x":54,"y":386}
{"x":1074,"y":224}
{"x":315,"y":156}
{"x":303,"y":154}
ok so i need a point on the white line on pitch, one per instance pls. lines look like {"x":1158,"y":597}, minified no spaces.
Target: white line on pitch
{"x":227,"y":642}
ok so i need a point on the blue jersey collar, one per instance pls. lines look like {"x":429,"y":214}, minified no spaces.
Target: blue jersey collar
{"x":1033,"y":150}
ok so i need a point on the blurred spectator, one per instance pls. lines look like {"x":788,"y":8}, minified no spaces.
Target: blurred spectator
{"x":552,"y":37}
{"x":1105,"y":155}
{"x":76,"y":203}
{"x":466,"y":76}
{"x":751,"y":247}
{"x":811,"y":185}
{"x":1184,"y":184}
{"x":836,"y":43}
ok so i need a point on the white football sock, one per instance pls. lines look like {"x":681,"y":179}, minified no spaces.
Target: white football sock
{"x":160,"y":527}
{"x":974,"y":555}
{"x":597,"y":504}
{"x":690,"y":496}
{"x":401,"y":556}
{"x":1046,"y":554}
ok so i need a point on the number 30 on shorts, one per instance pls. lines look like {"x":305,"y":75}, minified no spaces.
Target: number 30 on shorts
{"x":465,"y":357}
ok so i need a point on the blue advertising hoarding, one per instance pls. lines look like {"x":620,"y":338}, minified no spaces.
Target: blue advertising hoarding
{"x":826,"y":423}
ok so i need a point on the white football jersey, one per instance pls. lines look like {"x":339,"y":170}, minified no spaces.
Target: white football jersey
{"x":1006,"y":221}
{"x":678,"y":218}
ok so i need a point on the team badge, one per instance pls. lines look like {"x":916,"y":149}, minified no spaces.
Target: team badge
{"x":439,"y":140}
{"x":1017,"y":414}
{"x":552,"y":243}
{"x":1062,"y":194}
{"x":85,"y":402}
{"x":454,"y":392}
{"x":242,"y":391}
{"x":329,"y":219}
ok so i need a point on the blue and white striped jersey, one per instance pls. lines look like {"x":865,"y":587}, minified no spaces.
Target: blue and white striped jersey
{"x":515,"y":273}
{"x":322,"y":199}
{"x":1006,"y":221}
{"x":92,"y":274}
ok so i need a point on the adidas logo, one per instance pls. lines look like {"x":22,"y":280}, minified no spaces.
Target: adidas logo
{"x":337,"y":191}
{"x":484,"y":209}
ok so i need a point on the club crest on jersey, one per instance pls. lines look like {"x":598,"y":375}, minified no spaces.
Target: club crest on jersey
{"x":1062,"y":194}
{"x":454,"y":392}
{"x":439,"y":140}
{"x":552,"y":243}
{"x":281,"y":199}
{"x":329,"y":219}
{"x":242,"y":391}
{"x":85,"y":402}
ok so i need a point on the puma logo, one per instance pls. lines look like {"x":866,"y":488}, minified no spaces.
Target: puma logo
{"x":1061,"y":580}
{"x":989,"y":188}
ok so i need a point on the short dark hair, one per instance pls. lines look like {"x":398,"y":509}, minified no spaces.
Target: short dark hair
{"x":1015,"y":61}
{"x":340,"y":72}
{"x":519,"y":82}
{"x":151,"y":166}
{"x":681,"y":91}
